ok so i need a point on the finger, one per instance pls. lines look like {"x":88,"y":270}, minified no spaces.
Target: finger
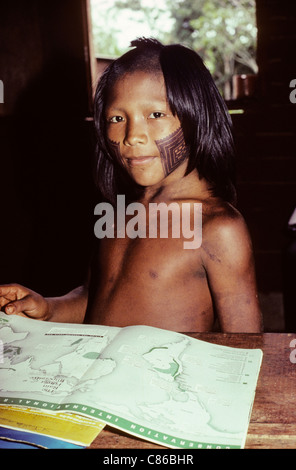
{"x":5,"y":288}
{"x":23,"y":305}
{"x":11,"y":291}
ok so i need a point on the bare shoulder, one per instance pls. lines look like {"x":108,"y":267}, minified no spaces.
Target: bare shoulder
{"x":222,"y":217}
{"x":225,"y":233}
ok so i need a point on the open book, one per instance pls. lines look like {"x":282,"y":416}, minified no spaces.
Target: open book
{"x":159,"y":385}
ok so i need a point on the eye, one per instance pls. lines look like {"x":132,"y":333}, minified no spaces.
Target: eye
{"x":156,"y":115}
{"x":115,"y":119}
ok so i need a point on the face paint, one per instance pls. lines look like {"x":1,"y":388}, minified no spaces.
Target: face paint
{"x":172,"y":150}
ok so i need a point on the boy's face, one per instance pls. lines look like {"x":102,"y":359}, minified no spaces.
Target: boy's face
{"x":143,"y":134}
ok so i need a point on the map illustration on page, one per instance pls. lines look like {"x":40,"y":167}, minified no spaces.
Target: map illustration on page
{"x":156,"y":384}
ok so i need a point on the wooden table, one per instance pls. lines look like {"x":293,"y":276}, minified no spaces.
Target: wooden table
{"x":273,"y":419}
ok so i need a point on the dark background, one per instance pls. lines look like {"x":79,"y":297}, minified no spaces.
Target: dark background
{"x":46,"y":144}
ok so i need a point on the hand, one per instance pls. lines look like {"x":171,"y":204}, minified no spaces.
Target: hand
{"x":18,"y":300}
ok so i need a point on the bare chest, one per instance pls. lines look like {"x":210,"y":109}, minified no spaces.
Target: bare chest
{"x":151,"y":281}
{"x":135,"y":259}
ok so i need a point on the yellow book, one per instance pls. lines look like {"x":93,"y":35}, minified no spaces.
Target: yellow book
{"x":73,"y":428}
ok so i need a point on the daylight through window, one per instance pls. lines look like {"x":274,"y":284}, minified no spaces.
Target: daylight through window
{"x":223,"y":32}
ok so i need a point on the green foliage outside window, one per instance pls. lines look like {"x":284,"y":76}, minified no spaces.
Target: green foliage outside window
{"x":223,"y":32}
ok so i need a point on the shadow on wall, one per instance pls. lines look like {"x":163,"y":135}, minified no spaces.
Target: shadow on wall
{"x":47,"y":192}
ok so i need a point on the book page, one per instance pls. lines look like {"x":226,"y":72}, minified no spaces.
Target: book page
{"x":44,"y":359}
{"x":160,"y":385}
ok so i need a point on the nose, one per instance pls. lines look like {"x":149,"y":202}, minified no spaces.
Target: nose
{"x":135,"y":134}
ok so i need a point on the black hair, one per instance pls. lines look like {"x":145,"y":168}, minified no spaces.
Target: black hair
{"x":192,"y":96}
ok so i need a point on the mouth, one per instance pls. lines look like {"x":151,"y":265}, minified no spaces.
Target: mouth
{"x":137,"y":161}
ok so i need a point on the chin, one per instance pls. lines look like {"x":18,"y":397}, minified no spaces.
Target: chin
{"x":146,"y":180}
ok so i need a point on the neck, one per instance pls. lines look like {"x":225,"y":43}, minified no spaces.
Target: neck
{"x":177,"y":186}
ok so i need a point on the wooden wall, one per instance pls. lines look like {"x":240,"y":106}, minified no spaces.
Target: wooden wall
{"x":45,"y":145}
{"x":266,"y":139}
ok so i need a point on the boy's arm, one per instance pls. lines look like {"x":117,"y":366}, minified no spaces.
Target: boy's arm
{"x":70,"y":308}
{"x":228,"y":259}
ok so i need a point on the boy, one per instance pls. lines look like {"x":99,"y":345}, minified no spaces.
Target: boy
{"x":164,"y":136}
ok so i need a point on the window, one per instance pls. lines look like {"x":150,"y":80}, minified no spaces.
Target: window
{"x":223,"y":32}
